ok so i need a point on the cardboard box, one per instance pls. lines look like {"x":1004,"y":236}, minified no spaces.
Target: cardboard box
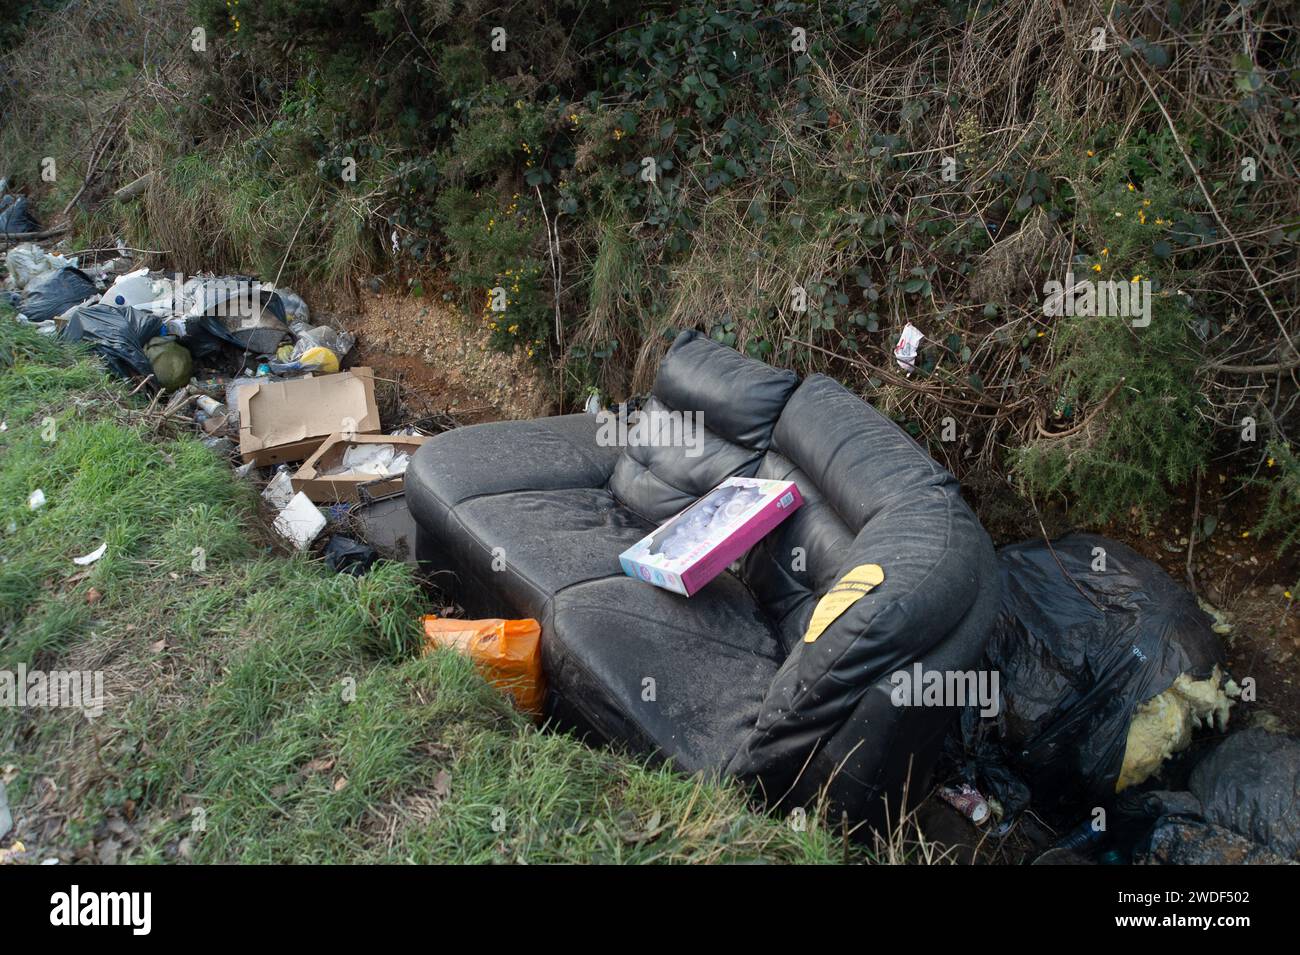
{"x":288,"y":420}
{"x":322,"y":487}
{"x":688,"y":551}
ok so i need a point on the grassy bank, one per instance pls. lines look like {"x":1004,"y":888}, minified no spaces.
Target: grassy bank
{"x":259,"y":708}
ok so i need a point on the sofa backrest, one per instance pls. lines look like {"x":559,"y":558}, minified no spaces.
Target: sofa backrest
{"x":738,"y":402}
{"x":854,"y":467}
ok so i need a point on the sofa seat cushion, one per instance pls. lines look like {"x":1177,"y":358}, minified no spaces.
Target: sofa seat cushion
{"x":503,"y":456}
{"x":533,"y":544}
{"x":711,"y":659}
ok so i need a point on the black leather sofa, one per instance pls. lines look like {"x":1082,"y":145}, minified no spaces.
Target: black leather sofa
{"x":528,"y":518}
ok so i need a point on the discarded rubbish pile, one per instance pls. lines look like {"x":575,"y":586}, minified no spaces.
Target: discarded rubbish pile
{"x":777,"y":671}
{"x":243,"y":361}
{"x":1105,"y":667}
{"x":1242,"y":804}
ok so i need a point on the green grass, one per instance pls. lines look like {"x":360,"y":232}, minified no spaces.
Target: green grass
{"x":262,"y":709}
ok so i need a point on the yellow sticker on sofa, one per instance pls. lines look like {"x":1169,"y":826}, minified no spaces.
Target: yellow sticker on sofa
{"x":848,"y":590}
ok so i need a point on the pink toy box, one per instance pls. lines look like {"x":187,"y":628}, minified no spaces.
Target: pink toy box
{"x":701,"y":542}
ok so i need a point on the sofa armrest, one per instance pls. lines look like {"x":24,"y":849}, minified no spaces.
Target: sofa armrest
{"x":937,"y":561}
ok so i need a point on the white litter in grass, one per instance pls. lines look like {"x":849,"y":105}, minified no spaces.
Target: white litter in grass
{"x":908,"y":343}
{"x":93,"y":556}
{"x":279,"y":492}
{"x":301,"y":521}
{"x":36,"y":500}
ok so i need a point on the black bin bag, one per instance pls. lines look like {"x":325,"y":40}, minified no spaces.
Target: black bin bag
{"x":117,"y":333}
{"x":1089,"y":630}
{"x":56,"y":293}
{"x":16,"y":216}
{"x":1242,"y":799}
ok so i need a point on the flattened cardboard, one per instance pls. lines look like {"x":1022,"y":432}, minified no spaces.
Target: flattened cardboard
{"x":288,"y":420}
{"x":321,"y":487}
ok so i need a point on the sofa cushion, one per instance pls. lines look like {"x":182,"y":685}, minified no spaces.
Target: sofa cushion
{"x":730,"y":404}
{"x":739,"y":398}
{"x":484,"y":459}
{"x":533,"y":544}
{"x":711,"y":659}
{"x":658,"y":481}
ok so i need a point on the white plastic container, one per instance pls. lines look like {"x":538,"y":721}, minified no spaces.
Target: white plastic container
{"x":134,"y":289}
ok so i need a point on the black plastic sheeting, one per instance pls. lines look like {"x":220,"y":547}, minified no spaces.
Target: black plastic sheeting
{"x":1078,"y":650}
{"x":58,"y":292}
{"x":343,"y":555}
{"x":1249,"y":784}
{"x":207,"y":335}
{"x":234,"y":294}
{"x":117,"y":333}
{"x":16,"y":216}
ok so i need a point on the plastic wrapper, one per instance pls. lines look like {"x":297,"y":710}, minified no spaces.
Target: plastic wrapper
{"x":381,"y":460}
{"x":307,"y":337}
{"x":28,"y":263}
{"x":508,"y":652}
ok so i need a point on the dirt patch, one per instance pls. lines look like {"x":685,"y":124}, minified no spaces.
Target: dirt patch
{"x":440,"y":361}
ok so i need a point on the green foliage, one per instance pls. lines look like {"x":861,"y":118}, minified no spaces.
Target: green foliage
{"x":1148,"y":434}
{"x":1147,"y":428}
{"x":1280,"y":518}
{"x":20,"y":16}
{"x":775,"y":167}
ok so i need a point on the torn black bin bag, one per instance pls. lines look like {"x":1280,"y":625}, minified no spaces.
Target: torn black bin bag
{"x":1089,"y":630}
{"x":231,"y":320}
{"x":117,"y":333}
{"x":58,"y":292}
{"x":1248,"y":785}
{"x":343,"y":555}
{"x":16,"y":216}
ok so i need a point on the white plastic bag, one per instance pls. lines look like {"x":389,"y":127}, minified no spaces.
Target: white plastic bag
{"x":28,"y":262}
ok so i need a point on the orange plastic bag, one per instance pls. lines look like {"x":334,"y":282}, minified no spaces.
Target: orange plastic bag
{"x":509,"y":652}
